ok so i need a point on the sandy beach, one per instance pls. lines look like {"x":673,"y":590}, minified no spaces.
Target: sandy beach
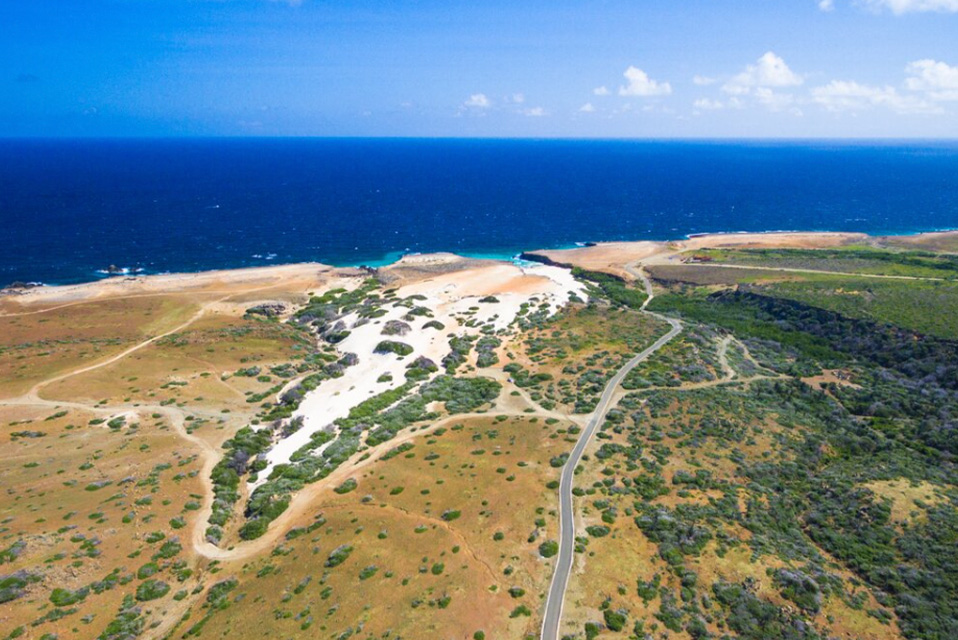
{"x":468,"y":273}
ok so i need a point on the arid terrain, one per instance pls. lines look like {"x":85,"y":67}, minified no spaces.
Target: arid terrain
{"x":309,"y":451}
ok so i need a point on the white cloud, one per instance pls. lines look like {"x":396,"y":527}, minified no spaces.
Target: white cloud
{"x":899,"y":7}
{"x":703,"y":81}
{"x":587,"y":108}
{"x":601,"y":91}
{"x":535,"y":112}
{"x":640,"y":84}
{"x":477,"y":101}
{"x":938,"y":79}
{"x":842,"y":95}
{"x":826,"y":5}
{"x":769,"y":71}
{"x":773,"y":100}
{"x":706,"y":104}
{"x":518,"y":98}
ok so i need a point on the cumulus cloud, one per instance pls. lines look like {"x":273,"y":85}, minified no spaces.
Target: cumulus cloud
{"x":640,"y":84}
{"x":601,"y":91}
{"x":826,"y":5}
{"x":587,"y":108}
{"x":535,"y":112}
{"x":938,"y":79}
{"x":899,"y":7}
{"x":769,"y":71}
{"x":843,"y":95}
{"x":477,"y":101}
{"x":703,"y":81}
{"x":518,"y":98}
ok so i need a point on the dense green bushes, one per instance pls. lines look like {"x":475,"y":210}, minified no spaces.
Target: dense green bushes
{"x":12,"y":586}
{"x":391,"y":346}
{"x":241,"y":449}
{"x":461,"y":394}
{"x":810,"y":492}
{"x":486,"y":350}
{"x":613,"y":288}
{"x":381,"y":417}
{"x":151,"y":590}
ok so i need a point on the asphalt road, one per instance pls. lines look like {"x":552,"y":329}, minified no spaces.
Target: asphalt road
{"x":563,"y":565}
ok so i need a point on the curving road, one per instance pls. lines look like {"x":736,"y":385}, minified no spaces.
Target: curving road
{"x":563,"y":566}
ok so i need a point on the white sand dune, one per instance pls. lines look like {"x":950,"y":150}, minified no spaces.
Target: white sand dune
{"x":450,"y":297}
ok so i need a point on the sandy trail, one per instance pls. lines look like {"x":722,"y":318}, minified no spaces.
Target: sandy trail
{"x":129,"y":296}
{"x":727,"y":371}
{"x":422,"y":519}
{"x":34,"y":391}
{"x":306,"y":498}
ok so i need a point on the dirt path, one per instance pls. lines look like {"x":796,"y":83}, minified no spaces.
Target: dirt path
{"x":812,"y":271}
{"x":727,"y":371}
{"x":307,"y":496}
{"x":505,"y":378}
{"x":421,"y":518}
{"x":34,"y":391}
{"x":79,"y":302}
{"x":128,"y":296}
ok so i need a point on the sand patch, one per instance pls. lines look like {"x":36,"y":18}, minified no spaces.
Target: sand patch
{"x":453,"y":299}
{"x":609,"y":257}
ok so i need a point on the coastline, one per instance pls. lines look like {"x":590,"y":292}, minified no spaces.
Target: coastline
{"x":603,"y":255}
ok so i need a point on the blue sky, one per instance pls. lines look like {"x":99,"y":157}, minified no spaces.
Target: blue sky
{"x":557,"y":68}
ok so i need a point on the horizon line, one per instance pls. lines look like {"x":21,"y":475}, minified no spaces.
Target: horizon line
{"x":120,"y":137}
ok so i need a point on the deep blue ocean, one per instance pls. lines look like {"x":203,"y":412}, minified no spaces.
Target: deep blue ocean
{"x":71,"y":208}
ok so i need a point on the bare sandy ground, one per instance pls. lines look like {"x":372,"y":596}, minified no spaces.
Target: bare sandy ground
{"x":795,"y":240}
{"x":453,"y":298}
{"x":606,"y":256}
{"x":946,"y":241}
{"x":293,"y":276}
{"x":612,"y":257}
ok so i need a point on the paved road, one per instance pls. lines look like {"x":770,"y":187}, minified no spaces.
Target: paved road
{"x":563,"y":565}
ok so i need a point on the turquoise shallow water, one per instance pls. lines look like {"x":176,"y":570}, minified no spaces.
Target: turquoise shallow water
{"x":69,"y":209}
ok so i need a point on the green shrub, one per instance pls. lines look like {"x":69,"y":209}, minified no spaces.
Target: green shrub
{"x":548,"y":548}
{"x":614,"y":620}
{"x":151,"y":590}
{"x":392,"y":346}
{"x":65,"y":597}
{"x":349,"y":485}
{"x":338,"y":556}
{"x":521,"y":610}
